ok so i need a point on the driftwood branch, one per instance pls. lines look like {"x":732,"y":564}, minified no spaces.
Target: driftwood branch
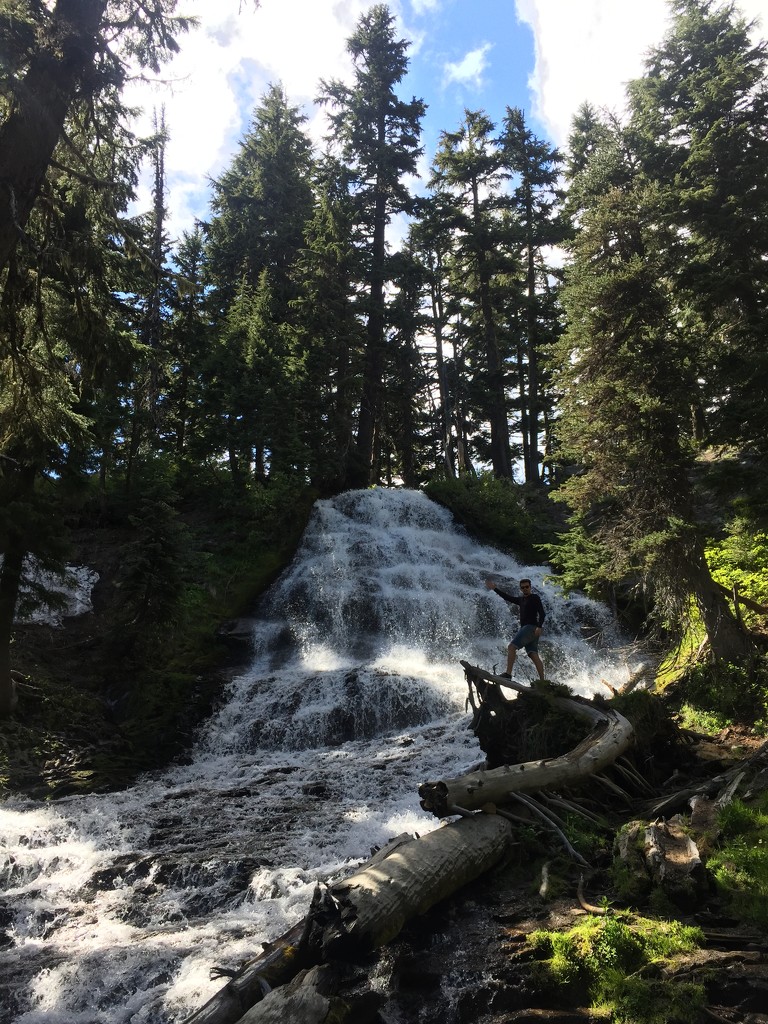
{"x":611,"y":735}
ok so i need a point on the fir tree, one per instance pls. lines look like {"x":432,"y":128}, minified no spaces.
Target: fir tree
{"x":700,"y":126}
{"x":625,"y":374}
{"x":468,"y":167}
{"x":535,"y":169}
{"x":378,"y":137}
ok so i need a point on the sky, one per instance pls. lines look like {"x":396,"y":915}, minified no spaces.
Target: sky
{"x":544,"y":56}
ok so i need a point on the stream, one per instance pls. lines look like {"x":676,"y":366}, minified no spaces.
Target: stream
{"x":114,"y":907}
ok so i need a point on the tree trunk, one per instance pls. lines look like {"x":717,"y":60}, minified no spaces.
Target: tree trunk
{"x":532,"y":344}
{"x":611,"y":735}
{"x":361,"y":474}
{"x":442,"y":381}
{"x":727,"y":640}
{"x":501,"y":456}
{"x":35,"y":122}
{"x":10,"y":579}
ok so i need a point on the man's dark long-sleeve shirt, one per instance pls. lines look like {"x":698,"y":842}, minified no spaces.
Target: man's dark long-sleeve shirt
{"x":531,"y":609}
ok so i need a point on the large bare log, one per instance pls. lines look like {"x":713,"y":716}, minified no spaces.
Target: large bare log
{"x":611,"y":735}
{"x":369,"y":908}
{"x":376,"y":902}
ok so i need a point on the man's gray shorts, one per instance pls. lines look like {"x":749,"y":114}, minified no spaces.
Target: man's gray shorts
{"x":526,"y":637}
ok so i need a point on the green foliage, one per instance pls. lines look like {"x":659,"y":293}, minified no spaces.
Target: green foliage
{"x":740,"y":560}
{"x":698,"y":720}
{"x":603,"y":961}
{"x":739,"y":864}
{"x":583,"y":562}
{"x":491,"y":508}
{"x":152,"y":565}
{"x":734,"y":692}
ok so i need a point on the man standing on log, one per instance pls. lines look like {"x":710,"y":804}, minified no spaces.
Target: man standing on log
{"x":532,"y":616}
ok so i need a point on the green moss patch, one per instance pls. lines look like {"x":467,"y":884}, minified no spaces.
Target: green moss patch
{"x":612,"y":964}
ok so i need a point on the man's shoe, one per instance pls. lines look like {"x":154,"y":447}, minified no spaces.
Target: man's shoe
{"x":506,"y":675}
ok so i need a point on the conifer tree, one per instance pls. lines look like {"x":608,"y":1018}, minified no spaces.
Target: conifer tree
{"x":261,"y":204}
{"x":430,"y":239}
{"x":625,"y":374}
{"x":413,"y":449}
{"x":468,"y":166}
{"x":699,"y":119}
{"x":329,"y":330}
{"x":188,"y":340}
{"x":535,"y":169}
{"x":377,"y":134}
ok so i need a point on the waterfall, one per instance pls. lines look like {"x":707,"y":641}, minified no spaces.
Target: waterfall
{"x":115,"y":907}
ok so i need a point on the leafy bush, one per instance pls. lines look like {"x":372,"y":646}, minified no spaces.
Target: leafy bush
{"x":732,"y":692}
{"x":741,"y":560}
{"x":495,"y":510}
{"x":739,"y":865}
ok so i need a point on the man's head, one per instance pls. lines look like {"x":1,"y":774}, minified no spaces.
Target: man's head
{"x":525,"y":586}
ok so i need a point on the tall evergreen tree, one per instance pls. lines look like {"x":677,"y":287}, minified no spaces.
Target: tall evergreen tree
{"x":407,"y":388}
{"x":188,"y":339}
{"x":535,"y":168}
{"x":468,"y":167}
{"x":378,"y":137}
{"x":625,"y":374}
{"x":430,"y":239}
{"x":699,"y":118}
{"x":261,"y":206}
{"x":330,"y":332}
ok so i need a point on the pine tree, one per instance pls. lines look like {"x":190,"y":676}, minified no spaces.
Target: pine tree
{"x":378,"y":137}
{"x":255,"y":240}
{"x":430,"y":239}
{"x":261,"y":204}
{"x":468,"y":166}
{"x":407,"y":387}
{"x":329,"y":330}
{"x":535,"y":169}
{"x":188,"y":340}
{"x":625,"y":373}
{"x":699,"y":120}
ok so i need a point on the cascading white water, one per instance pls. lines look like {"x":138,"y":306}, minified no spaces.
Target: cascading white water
{"x":115,"y":907}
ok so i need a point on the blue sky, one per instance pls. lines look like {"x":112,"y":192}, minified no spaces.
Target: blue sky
{"x":545,"y":56}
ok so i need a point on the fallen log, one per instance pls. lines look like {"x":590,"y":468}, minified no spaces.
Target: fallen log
{"x":611,"y":735}
{"x":368,"y":909}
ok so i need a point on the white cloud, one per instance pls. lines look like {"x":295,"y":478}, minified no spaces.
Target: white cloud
{"x":588,"y":51}
{"x":422,"y":7}
{"x":469,"y":70}
{"x":585,"y":50}
{"x":225,"y":66}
